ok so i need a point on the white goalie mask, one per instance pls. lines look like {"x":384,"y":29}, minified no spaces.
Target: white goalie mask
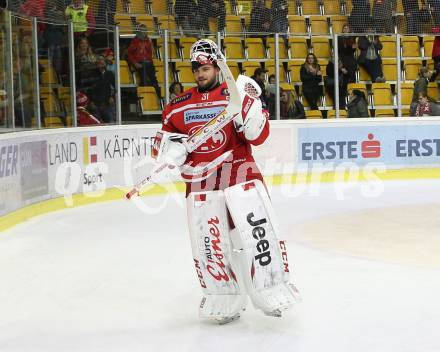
{"x":205,"y":51}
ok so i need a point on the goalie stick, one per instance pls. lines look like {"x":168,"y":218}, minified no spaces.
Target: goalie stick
{"x":208,"y":130}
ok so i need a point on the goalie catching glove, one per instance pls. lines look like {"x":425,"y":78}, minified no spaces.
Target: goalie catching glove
{"x":169,"y":148}
{"x":252,"y":119}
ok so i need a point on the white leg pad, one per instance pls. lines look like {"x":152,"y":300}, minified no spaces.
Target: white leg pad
{"x":212,"y":252}
{"x":263,"y":260}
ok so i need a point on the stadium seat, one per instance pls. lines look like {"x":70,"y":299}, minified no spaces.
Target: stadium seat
{"x":405,"y":112}
{"x":412,"y":67}
{"x":185,"y":46}
{"x":294,"y":70}
{"x":160,"y":71}
{"x":433,"y":91}
{"x":255,"y":48}
{"x":389,"y":46}
{"x":384,"y":113}
{"x":167,"y":22}
{"x":270,"y":67}
{"x":297,"y":24}
{"x":321,"y":47}
{"x":138,"y":6}
{"x":298,"y":48}
{"x":53,"y":122}
{"x":428,"y":43}
{"x":50,"y":102}
{"x":156,"y":7}
{"x":287,"y":86}
{"x":382,"y":96}
{"x":148,"y":99}
{"x":233,"y":66}
{"x":248,"y":67}
{"x":121,"y":6}
{"x":359,"y":86}
{"x":233,"y":48}
{"x":331,"y":114}
{"x":348,"y":6}
{"x":125,"y":23}
{"x":229,"y":8}
{"x":323,"y":62}
{"x":313,"y":114}
{"x":172,"y":49}
{"x":332,"y":7}
{"x":270,"y":43}
{"x":318,"y":25}
{"x":337,"y":23}
{"x":363,"y":74}
{"x":310,"y":7}
{"x":293,"y":8}
{"x":147,"y":21}
{"x":49,"y":76}
{"x":233,"y":24}
{"x":184,"y":72}
{"x":244,"y":7}
{"x":389,"y":68}
{"x":65,"y":99}
{"x":410,"y":46}
{"x":406,"y":93}
{"x":125,"y":73}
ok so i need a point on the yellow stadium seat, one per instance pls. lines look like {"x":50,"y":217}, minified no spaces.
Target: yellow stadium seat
{"x":399,"y":6}
{"x":233,"y":48}
{"x":148,"y":99}
{"x":49,"y":76}
{"x":319,"y":25}
{"x":270,"y":43}
{"x":244,"y":7}
{"x":310,"y":7}
{"x":121,"y":6}
{"x":321,"y":47}
{"x":389,"y":46}
{"x":50,"y":102}
{"x":233,"y":24}
{"x":363,"y":74}
{"x":125,"y":73}
{"x":294,"y":70}
{"x":406,"y":93}
{"x":255,"y":48}
{"x":412,"y":67}
{"x":338,"y":23}
{"x":270,"y":67}
{"x":359,"y":86}
{"x":65,"y":99}
{"x":405,"y":112}
{"x":384,"y":113}
{"x":298,"y":48}
{"x":293,"y":8}
{"x":229,"y":9}
{"x":389,"y":68}
{"x":172,"y":49}
{"x":167,"y":22}
{"x":185,"y":46}
{"x":147,"y":21}
{"x":410,"y":46}
{"x":287,"y":86}
{"x":184,"y":72}
{"x":157,"y":7}
{"x":53,"y":122}
{"x":125,"y":23}
{"x":233,"y":66}
{"x":382,"y":95}
{"x":160,"y":71}
{"x":348,"y":6}
{"x":313,"y":114}
{"x":297,"y":24}
{"x":137,"y":6}
{"x":249,"y":67}
{"x":332,"y":7}
{"x":331,"y":114}
{"x":433,"y":91}
{"x":323,"y":62}
{"x":428,"y":43}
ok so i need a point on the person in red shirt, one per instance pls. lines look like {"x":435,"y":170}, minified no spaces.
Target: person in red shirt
{"x":226,"y":197}
{"x":140,"y":56}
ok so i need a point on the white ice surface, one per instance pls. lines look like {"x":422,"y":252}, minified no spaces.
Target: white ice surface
{"x":107,"y":277}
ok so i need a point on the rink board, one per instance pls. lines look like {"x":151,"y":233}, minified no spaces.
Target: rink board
{"x":42,"y":171}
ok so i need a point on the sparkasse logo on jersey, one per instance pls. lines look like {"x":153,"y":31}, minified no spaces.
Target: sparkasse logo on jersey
{"x":201,"y":115}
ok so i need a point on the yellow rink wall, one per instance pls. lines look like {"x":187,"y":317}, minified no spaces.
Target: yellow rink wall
{"x":49,"y":170}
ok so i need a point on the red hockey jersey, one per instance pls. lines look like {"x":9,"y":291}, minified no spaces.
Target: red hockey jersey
{"x":223,"y":160}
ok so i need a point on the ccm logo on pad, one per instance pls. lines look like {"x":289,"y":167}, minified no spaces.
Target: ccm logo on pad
{"x":259,"y":233}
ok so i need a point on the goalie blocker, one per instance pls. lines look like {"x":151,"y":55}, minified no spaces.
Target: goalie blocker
{"x":237,"y":253}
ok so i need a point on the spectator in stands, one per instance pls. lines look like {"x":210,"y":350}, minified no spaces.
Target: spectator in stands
{"x":369,"y":56}
{"x":383,"y":16}
{"x":103,"y":93}
{"x":415,"y":16}
{"x":426,"y":107}
{"x":187,"y":15}
{"x":343,"y":81}
{"x":85,"y":65}
{"x":279,"y":16}
{"x":346,"y":49}
{"x":260,"y":77}
{"x":140,"y":56}
{"x":215,"y":9}
{"x":311,"y":77}
{"x":33,"y":8}
{"x":435,"y":8}
{"x":261,"y":19}
{"x":357,"y":105}
{"x":176,"y":88}
{"x":360,"y":16}
{"x":109,"y":59}
{"x":290,"y":106}
{"x":85,"y":118}
{"x":436,"y":52}
{"x":420,"y":86}
{"x":82,"y":17}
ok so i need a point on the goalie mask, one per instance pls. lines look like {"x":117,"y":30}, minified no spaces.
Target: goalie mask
{"x":204,"y":52}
